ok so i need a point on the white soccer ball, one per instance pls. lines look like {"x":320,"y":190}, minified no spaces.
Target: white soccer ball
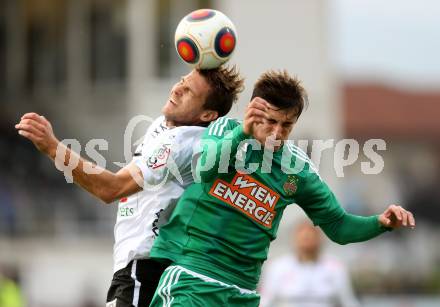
{"x":205,"y":39}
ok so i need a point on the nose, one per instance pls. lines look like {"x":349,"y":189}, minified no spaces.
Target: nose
{"x":177,"y":89}
{"x":278,"y":132}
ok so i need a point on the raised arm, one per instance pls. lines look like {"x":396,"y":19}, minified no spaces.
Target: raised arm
{"x":216,"y":149}
{"x":104,"y":184}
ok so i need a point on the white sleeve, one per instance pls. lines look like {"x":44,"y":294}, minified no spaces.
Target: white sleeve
{"x":345,"y":291}
{"x":170,"y":159}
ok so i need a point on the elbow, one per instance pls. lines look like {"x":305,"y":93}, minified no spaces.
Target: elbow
{"x":108,"y":196}
{"x":338,"y":240}
{"x":108,"y":200}
{"x":341,"y":242}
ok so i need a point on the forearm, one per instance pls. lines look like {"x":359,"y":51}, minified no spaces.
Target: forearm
{"x":352,"y":228}
{"x":96,"y":180}
{"x":224,"y":147}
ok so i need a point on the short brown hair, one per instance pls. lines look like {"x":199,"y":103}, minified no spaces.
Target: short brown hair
{"x":226,"y":83}
{"x":281,"y":90}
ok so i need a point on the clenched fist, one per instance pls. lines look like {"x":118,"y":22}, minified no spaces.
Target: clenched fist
{"x":39,"y":131}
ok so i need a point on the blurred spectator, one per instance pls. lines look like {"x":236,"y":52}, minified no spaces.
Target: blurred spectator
{"x":306,"y":279}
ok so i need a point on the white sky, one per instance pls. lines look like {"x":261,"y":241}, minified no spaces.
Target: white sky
{"x":390,"y":39}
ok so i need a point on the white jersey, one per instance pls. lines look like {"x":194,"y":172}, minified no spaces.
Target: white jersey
{"x":165,"y":159}
{"x":288,"y":282}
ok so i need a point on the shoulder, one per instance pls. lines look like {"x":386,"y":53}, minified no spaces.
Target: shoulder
{"x":178,"y":140}
{"x":187,"y":138}
{"x":158,"y":122}
{"x":300,"y":159}
{"x":222,"y":125}
{"x":156,"y":128}
{"x":187,"y":132}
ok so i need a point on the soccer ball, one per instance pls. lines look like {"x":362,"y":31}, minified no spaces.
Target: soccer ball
{"x":205,"y":39}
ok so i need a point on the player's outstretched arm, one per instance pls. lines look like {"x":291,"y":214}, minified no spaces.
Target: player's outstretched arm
{"x":321,"y":205}
{"x":105,"y":185}
{"x":352,"y":228}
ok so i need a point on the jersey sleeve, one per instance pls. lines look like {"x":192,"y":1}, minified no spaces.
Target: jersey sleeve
{"x":322,"y":207}
{"x":218,"y":147}
{"x":171,"y":158}
{"x":317,"y":200}
{"x":138,"y":152}
{"x":137,"y":155}
{"x":219,"y":128}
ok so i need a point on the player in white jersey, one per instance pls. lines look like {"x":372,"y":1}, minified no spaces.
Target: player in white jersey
{"x":142,"y":213}
{"x":163,"y":163}
{"x":306,"y":278}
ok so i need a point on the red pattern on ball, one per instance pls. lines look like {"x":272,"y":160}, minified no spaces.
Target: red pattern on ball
{"x":200,"y":15}
{"x":186,"y":51}
{"x":227,"y":42}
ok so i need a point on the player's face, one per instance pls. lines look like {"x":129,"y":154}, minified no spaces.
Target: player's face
{"x":187,"y":97}
{"x":278,"y":124}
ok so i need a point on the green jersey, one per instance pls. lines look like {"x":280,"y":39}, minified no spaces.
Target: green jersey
{"x":222,"y":226}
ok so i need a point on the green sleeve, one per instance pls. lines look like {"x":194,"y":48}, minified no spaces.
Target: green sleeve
{"x":220,"y":140}
{"x":322,"y":207}
{"x":316,"y":198}
{"x":353,"y":228}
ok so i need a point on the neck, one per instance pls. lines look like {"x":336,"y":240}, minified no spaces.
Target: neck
{"x":170,"y":123}
{"x":308,"y":257}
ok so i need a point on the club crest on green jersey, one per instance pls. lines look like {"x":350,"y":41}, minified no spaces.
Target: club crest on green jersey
{"x":291,"y":185}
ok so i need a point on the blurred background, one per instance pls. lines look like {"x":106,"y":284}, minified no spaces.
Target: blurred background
{"x":372,"y":71}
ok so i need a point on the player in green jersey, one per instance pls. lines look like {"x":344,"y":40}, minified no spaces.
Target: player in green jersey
{"x":219,"y":234}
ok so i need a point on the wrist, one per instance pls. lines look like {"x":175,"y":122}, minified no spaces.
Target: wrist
{"x":52,"y":149}
{"x":382,"y":225}
{"x":241,"y":132}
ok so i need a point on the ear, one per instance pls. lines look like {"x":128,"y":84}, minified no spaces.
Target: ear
{"x":208,"y":116}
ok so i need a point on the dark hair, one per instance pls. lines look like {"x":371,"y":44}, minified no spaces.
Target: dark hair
{"x":226,"y":83}
{"x":281,"y":90}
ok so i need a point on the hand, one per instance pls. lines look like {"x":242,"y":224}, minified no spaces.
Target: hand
{"x":39,"y":131}
{"x":395,"y":217}
{"x":255,"y":113}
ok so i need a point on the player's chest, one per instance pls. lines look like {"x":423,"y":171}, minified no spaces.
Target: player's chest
{"x":157,"y":148}
{"x":266,"y":176}
{"x":261,"y":197}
